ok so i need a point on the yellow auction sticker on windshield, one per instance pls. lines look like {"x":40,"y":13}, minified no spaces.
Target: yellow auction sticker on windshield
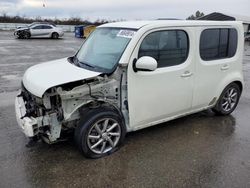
{"x":126,"y":33}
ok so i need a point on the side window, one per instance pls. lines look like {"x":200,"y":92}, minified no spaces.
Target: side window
{"x":233,"y":42}
{"x":37,"y":27}
{"x":218,"y":43}
{"x":168,"y":48}
{"x":47,"y":27}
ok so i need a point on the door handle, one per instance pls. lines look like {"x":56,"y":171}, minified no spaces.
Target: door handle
{"x":186,"y":74}
{"x":224,"y":67}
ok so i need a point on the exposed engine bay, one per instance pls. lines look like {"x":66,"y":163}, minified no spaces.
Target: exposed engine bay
{"x":60,"y":108}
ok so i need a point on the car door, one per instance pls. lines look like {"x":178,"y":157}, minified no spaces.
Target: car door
{"x":47,"y":30}
{"x":215,"y":60}
{"x":36,"y":31}
{"x":157,"y":96}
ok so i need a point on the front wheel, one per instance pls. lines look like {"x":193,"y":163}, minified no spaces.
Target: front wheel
{"x":228,"y":100}
{"x":55,"y":36}
{"x":26,"y":35}
{"x":100,"y":132}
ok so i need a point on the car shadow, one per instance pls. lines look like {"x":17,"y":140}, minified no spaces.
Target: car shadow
{"x":185,"y":128}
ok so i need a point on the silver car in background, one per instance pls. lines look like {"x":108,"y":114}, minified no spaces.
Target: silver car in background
{"x":39,"y":30}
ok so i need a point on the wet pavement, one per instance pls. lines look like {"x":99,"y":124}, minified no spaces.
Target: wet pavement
{"x":201,"y":150}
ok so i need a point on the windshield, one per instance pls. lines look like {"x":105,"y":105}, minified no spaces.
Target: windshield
{"x":30,"y":25}
{"x":103,"y":49}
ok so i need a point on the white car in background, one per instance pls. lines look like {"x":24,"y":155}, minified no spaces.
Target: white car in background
{"x":39,"y":30}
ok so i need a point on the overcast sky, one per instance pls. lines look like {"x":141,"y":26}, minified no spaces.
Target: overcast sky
{"x":121,"y":9}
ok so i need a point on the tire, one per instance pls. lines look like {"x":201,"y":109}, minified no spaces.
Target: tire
{"x":228,"y":100}
{"x":100,"y":132}
{"x":26,"y":35}
{"x":19,"y":36}
{"x":55,"y":36}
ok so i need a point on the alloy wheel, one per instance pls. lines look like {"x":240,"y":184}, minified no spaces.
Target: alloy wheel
{"x":104,"y":135}
{"x":229,"y":100}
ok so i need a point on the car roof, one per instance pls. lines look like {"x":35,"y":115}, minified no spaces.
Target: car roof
{"x":42,"y":23}
{"x":38,"y":24}
{"x":140,"y":24}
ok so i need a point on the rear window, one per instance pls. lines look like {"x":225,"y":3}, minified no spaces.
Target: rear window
{"x":218,"y":43}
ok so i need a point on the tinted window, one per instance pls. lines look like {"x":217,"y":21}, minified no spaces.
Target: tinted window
{"x":232,"y":45}
{"x":168,"y":48}
{"x":37,"y":27}
{"x":47,"y":27}
{"x":218,"y":43}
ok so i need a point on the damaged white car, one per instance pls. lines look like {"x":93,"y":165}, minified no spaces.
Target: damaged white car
{"x":132,"y":75}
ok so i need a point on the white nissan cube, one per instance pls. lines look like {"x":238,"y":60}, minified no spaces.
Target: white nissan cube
{"x":131,"y":75}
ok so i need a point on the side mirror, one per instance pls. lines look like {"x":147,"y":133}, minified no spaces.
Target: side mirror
{"x":145,"y":63}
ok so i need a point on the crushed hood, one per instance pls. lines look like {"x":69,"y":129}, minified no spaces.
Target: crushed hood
{"x":39,"y":78}
{"x":22,"y":28}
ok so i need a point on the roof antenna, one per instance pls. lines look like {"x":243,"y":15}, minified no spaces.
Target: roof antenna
{"x":44,"y":5}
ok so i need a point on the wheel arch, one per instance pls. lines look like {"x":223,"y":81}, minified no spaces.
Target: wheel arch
{"x":230,"y":78}
{"x":54,"y":32}
{"x":95,"y":104}
{"x":240,"y":84}
{"x":100,"y":103}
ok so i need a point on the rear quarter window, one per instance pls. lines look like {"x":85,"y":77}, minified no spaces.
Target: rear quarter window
{"x":218,"y":43}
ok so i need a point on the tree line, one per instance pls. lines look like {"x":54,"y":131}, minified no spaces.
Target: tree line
{"x":4,"y":18}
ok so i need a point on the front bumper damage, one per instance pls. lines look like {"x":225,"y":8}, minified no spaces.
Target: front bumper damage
{"x":29,"y":125}
{"x":35,"y":126}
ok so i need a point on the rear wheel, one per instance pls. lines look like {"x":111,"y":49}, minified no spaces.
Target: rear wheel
{"x":55,"y":36}
{"x":100,"y":132}
{"x":228,"y":100}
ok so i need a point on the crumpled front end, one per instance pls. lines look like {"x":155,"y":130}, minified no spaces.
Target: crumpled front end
{"x":59,"y":109}
{"x":33,"y":118}
{"x":29,"y":125}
